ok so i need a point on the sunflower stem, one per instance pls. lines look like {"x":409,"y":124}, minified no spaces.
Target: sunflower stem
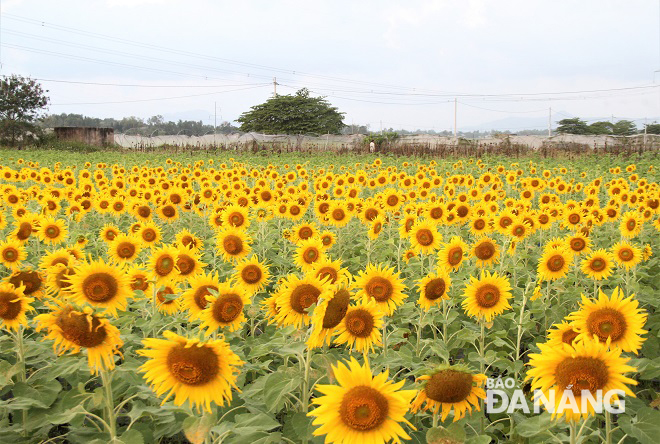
{"x":20,"y":356}
{"x":106,"y":377}
{"x":482,"y":366}
{"x":520,"y":323}
{"x":305,"y":387}
{"x":573,"y":434}
{"x":435,"y":419}
{"x":608,"y":428}
{"x":420,"y":327}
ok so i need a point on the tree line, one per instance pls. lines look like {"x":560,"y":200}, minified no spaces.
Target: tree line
{"x":620,"y":128}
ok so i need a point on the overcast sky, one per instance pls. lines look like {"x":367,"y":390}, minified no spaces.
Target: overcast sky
{"x":402,"y":63}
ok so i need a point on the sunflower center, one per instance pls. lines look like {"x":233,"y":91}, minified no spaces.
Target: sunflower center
{"x":568,"y":336}
{"x":110,"y":235}
{"x":30,"y":279}
{"x":424,"y":237}
{"x":76,"y":328}
{"x":625,"y":254}
{"x":488,"y":295}
{"x":61,"y":278}
{"x":10,"y":254}
{"x":324,"y":207}
{"x":598,"y":265}
{"x":392,"y":201}
{"x":607,"y":323}
{"x":303,"y":296}
{"x":139,"y":283}
{"x":161,"y":295}
{"x":556,"y":263}
{"x":363,"y":408}
{"x":455,"y":255}
{"x":327,"y":240}
{"x":201,"y":293}
{"x":311,"y":255}
{"x":149,"y":235}
{"x":435,"y":289}
{"x":435,"y":213}
{"x":505,"y":221}
{"x":462,"y":211}
{"x":449,"y":386}
{"x":227,"y":308}
{"x":236,"y":219}
{"x":232,"y":244}
{"x":52,"y":232}
{"x":185,"y":264}
{"x":578,"y":244}
{"x":360,"y":323}
{"x":144,"y":211}
{"x":479,"y":224}
{"x":574,"y":218}
{"x":328,"y":272}
{"x":9,"y":307}
{"x":338,"y":214}
{"x":519,"y":231}
{"x":581,"y":373}
{"x":164,"y":265}
{"x":336,"y":309}
{"x":379,"y":288}
{"x":169,"y":211}
{"x":100,"y":287}
{"x":370,"y":214}
{"x":24,"y":231}
{"x":126,"y":250}
{"x":484,"y":251}
{"x":193,"y":365}
{"x":305,"y":233}
{"x":631,"y":224}
{"x":251,"y":274}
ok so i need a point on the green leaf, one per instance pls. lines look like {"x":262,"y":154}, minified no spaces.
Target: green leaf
{"x":301,"y":425}
{"x":481,"y":439}
{"x":247,"y":423}
{"x":132,"y":437}
{"x":453,"y":434}
{"x":276,"y":388}
{"x":646,"y":426}
{"x":534,"y":425}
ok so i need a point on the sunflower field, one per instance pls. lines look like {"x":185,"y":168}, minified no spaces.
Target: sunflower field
{"x":310,"y":298}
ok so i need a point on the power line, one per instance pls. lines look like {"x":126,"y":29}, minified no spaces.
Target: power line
{"x":140,"y":85}
{"x":504,"y":111}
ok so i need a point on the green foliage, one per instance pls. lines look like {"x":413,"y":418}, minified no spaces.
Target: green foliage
{"x":573,"y":126}
{"x":578,"y":126}
{"x":21,"y":102}
{"x":624,"y":128}
{"x":297,"y":113}
{"x":653,"y":128}
{"x":379,"y":139}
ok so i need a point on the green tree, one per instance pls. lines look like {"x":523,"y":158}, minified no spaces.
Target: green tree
{"x":573,"y":126}
{"x":601,"y":128}
{"x":653,"y":128}
{"x":21,"y":103}
{"x":624,"y":128}
{"x":297,"y":113}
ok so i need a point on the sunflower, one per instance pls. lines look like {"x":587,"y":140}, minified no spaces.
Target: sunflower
{"x":598,"y":265}
{"x":583,"y":366}
{"x":226,"y":309}
{"x":631,"y":224}
{"x":149,"y":233}
{"x":13,"y":306}
{"x":195,"y":298}
{"x":100,"y":285}
{"x":361,"y":408}
{"x":382,"y":284}
{"x":167,"y":299}
{"x":328,"y":315}
{"x":236,"y":216}
{"x":616,"y":320}
{"x":626,"y":254}
{"x":51,"y":230}
{"x":424,"y":237}
{"x":109,"y":232}
{"x":309,"y":253}
{"x":12,"y":253}
{"x":25,"y":226}
{"x":162,"y":263}
{"x":188,"y":264}
{"x":269,"y":304}
{"x":233,"y":244}
{"x":563,"y":333}
{"x":452,"y":253}
{"x":188,"y":239}
{"x":487,"y":296}
{"x":73,"y":330}
{"x":486,"y":251}
{"x":450,"y":387}
{"x":303,"y":232}
{"x":252,"y":274}
{"x":57,"y":279}
{"x":433,"y":288}
{"x":328,"y":239}
{"x":190,"y":370}
{"x":32,"y":281}
{"x":296,"y":295}
{"x":554,"y":264}
{"x":139,"y":279}
{"x":124,"y":248}
{"x":333,"y":271}
{"x":168,"y":213}
{"x":361,"y":327}
{"x":408,"y":254}
{"x":376,"y":227}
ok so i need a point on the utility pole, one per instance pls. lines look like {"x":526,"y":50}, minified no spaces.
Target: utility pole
{"x":274,"y":86}
{"x":381,"y":127}
{"x":550,"y":122}
{"x":215,"y":116}
{"x":645,"y":125}
{"x":455,"y":112}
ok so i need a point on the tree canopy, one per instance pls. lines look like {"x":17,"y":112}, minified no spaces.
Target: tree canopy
{"x":579,"y":126}
{"x":297,"y":113}
{"x":21,"y":103}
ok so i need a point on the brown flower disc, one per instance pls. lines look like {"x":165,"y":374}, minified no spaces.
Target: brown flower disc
{"x":305,"y":233}
{"x":363,"y":408}
{"x":370,"y":214}
{"x":597,"y":264}
{"x":76,"y":328}
{"x":581,"y":373}
{"x":227,"y":307}
{"x":454,"y":256}
{"x":9,"y":307}
{"x":336,"y":309}
{"x":379,"y":288}
{"x":568,"y":336}
{"x":360,"y":323}
{"x":149,"y":235}
{"x":338,"y":214}
{"x":10,"y":254}
{"x":435,"y":289}
{"x":303,"y":296}
{"x":185,"y":264}
{"x":100,"y":287}
{"x":449,"y":386}
{"x":325,"y":272}
{"x":310,"y":255}
{"x":24,"y":231}
{"x":424,"y":237}
{"x":201,"y":293}
{"x":578,"y":244}
{"x":556,"y":262}
{"x":30,"y":279}
{"x":164,"y":265}
{"x":168,"y":211}
{"x":126,"y":250}
{"x":236,"y":219}
{"x":232,"y":244}
{"x":144,"y":211}
{"x":52,"y":231}
{"x":607,"y":323}
{"x":193,"y":365}
{"x":251,"y":274}
{"x":487,"y":295}
{"x":484,"y":250}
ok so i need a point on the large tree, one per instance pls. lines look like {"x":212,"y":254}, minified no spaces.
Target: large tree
{"x":21,"y":103}
{"x":573,"y":126}
{"x":297,"y":113}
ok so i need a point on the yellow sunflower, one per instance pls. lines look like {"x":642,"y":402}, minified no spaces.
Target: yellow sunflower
{"x":308,"y":253}
{"x":487,"y":296}
{"x":236,"y":216}
{"x":233,"y":244}
{"x":124,"y":248}
{"x":296,"y":295}
{"x":188,"y":239}
{"x":188,"y":264}
{"x":109,"y":232}
{"x":195,"y":298}
{"x":433,"y":288}
{"x":73,"y":330}
{"x":616,"y":320}
{"x":333,"y":271}
{"x":583,"y":366}
{"x":167,"y":299}
{"x":447,"y":388}
{"x":361,"y":327}
{"x":32,"y":281}
{"x":327,"y":316}
{"x":12,"y":253}
{"x":139,"y":279}
{"x":424,"y":237}
{"x":626,"y":254}
{"x":563,"y":333}
{"x":631,"y":224}
{"x":554,"y":264}
{"x":598,"y":265}
{"x":361,"y":408}
{"x":149,"y":233}
{"x":190,"y":370}
{"x":486,"y":251}
{"x":13,"y":306}
{"x":51,"y":230}
{"x":162,"y":263}
{"x":252,"y":274}
{"x":100,"y":285}
{"x":382,"y":284}
{"x":226,"y":309}
{"x":452,"y":253}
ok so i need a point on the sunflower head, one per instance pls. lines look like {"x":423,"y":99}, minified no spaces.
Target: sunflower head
{"x":487,"y":296}
{"x":100,"y":285}
{"x":434,"y":288}
{"x":382,"y":284}
{"x":13,"y":306}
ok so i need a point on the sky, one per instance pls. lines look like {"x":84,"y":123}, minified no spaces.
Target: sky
{"x":404,"y":65}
